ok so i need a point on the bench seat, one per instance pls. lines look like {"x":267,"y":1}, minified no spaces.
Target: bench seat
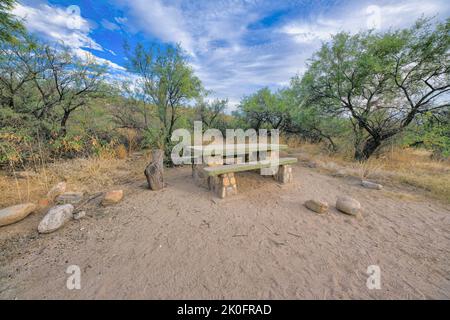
{"x":240,"y":167}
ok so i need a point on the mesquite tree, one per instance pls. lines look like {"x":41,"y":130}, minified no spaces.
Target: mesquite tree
{"x":381,"y":82}
{"x":46,"y":83}
{"x":168,"y":83}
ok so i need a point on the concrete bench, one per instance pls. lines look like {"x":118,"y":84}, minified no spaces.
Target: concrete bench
{"x":221,"y":179}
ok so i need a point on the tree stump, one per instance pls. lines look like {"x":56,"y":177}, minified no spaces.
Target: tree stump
{"x":155,"y":170}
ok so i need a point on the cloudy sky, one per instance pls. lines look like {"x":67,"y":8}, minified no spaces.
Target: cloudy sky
{"x":235,"y":46}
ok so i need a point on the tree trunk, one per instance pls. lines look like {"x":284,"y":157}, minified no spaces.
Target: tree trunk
{"x":155,"y":170}
{"x":370,"y":146}
{"x":332,"y":144}
{"x":63,"y":130}
{"x":328,"y":138}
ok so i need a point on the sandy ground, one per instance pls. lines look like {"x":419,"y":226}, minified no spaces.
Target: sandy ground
{"x":183,"y":243}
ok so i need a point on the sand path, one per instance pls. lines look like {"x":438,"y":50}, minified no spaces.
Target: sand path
{"x":183,"y":243}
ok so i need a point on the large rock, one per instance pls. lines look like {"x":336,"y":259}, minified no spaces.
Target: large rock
{"x":57,"y":190}
{"x":56,"y":218}
{"x":69,"y":197}
{"x":112,"y":197}
{"x":15,"y":213}
{"x":348,"y":205}
{"x":371,"y":185}
{"x":317,"y":206}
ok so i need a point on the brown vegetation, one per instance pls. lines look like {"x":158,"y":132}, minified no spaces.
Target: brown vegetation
{"x":409,"y":167}
{"x":87,"y":175}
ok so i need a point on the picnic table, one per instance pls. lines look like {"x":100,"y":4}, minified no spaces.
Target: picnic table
{"x":214,"y":166}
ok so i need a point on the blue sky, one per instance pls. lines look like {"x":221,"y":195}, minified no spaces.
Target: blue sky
{"x":235,"y":46}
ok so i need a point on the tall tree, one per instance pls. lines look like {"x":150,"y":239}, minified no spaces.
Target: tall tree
{"x":68,"y":82}
{"x":17,"y":70}
{"x":381,"y":82}
{"x":46,"y":83}
{"x":168,"y":83}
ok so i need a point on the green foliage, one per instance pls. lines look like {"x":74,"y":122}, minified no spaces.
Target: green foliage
{"x":365,"y":88}
{"x":431,"y":132}
{"x":308,"y":121}
{"x":167,"y":82}
{"x":380,"y":82}
{"x":41,"y":88}
{"x":10,"y":26}
{"x":212,"y":114}
{"x":264,"y":109}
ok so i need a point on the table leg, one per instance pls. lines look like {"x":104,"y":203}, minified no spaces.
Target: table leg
{"x":284,"y":174}
{"x":224,"y":185}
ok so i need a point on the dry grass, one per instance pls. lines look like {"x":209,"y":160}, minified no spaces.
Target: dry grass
{"x":411,"y":167}
{"x":121,"y":151}
{"x":86,"y":175}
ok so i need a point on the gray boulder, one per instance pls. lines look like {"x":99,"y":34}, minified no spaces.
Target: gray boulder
{"x":348,"y":205}
{"x":371,"y":185}
{"x":56,"y":218}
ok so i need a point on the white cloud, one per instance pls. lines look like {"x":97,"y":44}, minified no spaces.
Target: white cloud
{"x":86,"y":55}
{"x":353,"y":18}
{"x":112,"y":52}
{"x":57,"y":24}
{"x":304,"y":33}
{"x":121,"y":20}
{"x":158,"y":19}
{"x":287,"y":47}
{"x":214,"y":34}
{"x":231,"y":50}
{"x":109,"y":25}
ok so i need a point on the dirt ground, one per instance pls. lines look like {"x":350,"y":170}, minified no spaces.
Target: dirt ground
{"x":183,"y":243}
